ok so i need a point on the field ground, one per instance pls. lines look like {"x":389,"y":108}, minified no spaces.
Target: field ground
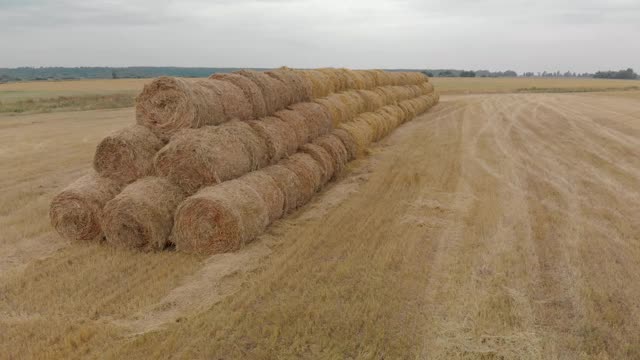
{"x":497,"y":226}
{"x":530,"y":85}
{"x":75,"y":95}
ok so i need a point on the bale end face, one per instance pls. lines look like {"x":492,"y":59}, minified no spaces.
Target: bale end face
{"x":127,"y":154}
{"x":141,"y":216}
{"x":220,"y":218}
{"x":76,"y":211}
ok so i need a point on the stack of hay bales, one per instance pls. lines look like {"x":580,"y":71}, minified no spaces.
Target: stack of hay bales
{"x":212,"y":162}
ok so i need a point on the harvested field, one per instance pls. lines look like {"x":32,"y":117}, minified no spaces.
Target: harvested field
{"x":494,"y":226}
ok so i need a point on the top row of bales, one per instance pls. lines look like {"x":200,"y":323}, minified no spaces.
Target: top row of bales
{"x":167,"y":105}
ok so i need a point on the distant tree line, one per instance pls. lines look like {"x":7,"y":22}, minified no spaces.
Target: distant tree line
{"x":622,"y":74}
{"x":628,"y":74}
{"x":135,"y":72}
{"x":71,"y":73}
{"x":469,"y":73}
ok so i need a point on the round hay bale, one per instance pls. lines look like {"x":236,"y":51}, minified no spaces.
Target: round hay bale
{"x":393,"y":114}
{"x":319,"y":154}
{"x":348,"y":141}
{"x":342,"y":106}
{"x":383,"y":78}
{"x":368,"y":78}
{"x":361,"y":131}
{"x":280,"y":138}
{"x":352,"y":102}
{"x":76,"y":211}
{"x":219,"y":219}
{"x":336,"y":149}
{"x":408,"y":108}
{"x":353,"y":79}
{"x":127,"y":154}
{"x":427,"y":88}
{"x":335,"y":110}
{"x":334,"y":78}
{"x":316,"y":117}
{"x":289,"y":183}
{"x":296,"y":85}
{"x":387,"y":93}
{"x":321,"y":84}
{"x":297,"y":122}
{"x":371,"y":100}
{"x":357,"y":79}
{"x":276,"y":96}
{"x":234,"y":101}
{"x":308,"y":171}
{"x":251,"y":91}
{"x":197,"y":158}
{"x":169,"y":104}
{"x":141,"y":216}
{"x":269,"y":192}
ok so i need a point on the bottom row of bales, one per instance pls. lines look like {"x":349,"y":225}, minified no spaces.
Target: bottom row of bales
{"x":225,"y":216}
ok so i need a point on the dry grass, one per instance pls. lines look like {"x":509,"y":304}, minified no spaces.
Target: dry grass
{"x":48,"y":96}
{"x":68,"y":103}
{"x":497,"y":226}
{"x":536,"y":85}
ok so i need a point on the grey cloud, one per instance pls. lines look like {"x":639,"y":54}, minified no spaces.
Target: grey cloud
{"x":494,"y":34}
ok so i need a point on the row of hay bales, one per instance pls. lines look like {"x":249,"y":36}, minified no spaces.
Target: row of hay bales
{"x":169,"y":104}
{"x":212,"y":162}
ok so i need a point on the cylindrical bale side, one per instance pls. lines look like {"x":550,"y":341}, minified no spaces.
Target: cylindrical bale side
{"x":207,"y":156}
{"x":274,"y":91}
{"x":316,"y":117}
{"x":280,"y":138}
{"x":321,"y":84}
{"x":319,"y":154}
{"x":297,"y":86}
{"x":309,"y":171}
{"x":348,"y":141}
{"x":269,"y":191}
{"x":251,"y":90}
{"x":297,"y":122}
{"x":361,"y":132}
{"x":336,"y":149}
{"x":289,"y":183}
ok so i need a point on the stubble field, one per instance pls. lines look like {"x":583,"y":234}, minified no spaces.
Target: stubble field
{"x":494,"y":226}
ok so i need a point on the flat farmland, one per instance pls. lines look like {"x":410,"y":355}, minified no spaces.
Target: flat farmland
{"x":493,"y":226}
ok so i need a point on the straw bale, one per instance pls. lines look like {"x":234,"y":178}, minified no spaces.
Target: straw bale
{"x":141,"y":216}
{"x":251,"y":90}
{"x":316,"y":116}
{"x":275,"y":93}
{"x":197,"y":158}
{"x":336,"y":149}
{"x":76,"y":211}
{"x":348,"y":141}
{"x":293,"y":188}
{"x":269,"y":191}
{"x":322,"y":157}
{"x":127,"y":154}
{"x":280,"y":137}
{"x":168,"y":104}
{"x":219,"y":219}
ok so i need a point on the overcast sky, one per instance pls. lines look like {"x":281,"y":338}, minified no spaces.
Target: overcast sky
{"x":577,"y":35}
